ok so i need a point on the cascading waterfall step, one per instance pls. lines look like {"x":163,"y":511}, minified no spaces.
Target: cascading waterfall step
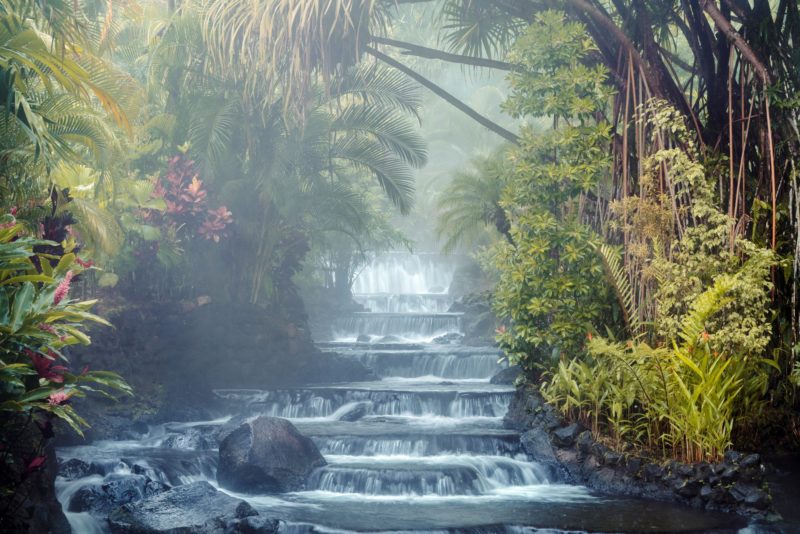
{"x":423,"y":449}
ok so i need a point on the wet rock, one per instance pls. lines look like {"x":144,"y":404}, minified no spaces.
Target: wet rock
{"x":565,"y":437}
{"x":254,"y":525}
{"x":732,"y":456}
{"x":507,"y":376}
{"x":633,"y":465}
{"x":115,"y":490}
{"x":266,"y":455}
{"x":197,"y":508}
{"x":750,"y":495}
{"x":612,"y":458}
{"x":729,"y":475}
{"x":197,"y":439}
{"x":537,"y":444}
{"x":703,"y":471}
{"x":652,"y":472}
{"x":363,"y":338}
{"x":453,"y":338}
{"x":751,"y":460}
{"x":357,"y":411}
{"x":687,"y":488}
{"x":717,"y":495}
{"x":75,"y":468}
{"x":585,"y":442}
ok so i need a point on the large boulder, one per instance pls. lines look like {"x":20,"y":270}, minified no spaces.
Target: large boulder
{"x":196,"y":508}
{"x":266,"y":455}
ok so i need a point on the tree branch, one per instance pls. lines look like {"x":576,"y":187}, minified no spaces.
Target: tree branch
{"x":432,"y":53}
{"x":450,"y":99}
{"x":738,"y":41}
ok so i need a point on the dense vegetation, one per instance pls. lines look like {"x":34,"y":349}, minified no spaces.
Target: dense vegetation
{"x":643,"y":222}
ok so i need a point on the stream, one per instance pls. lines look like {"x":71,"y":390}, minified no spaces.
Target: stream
{"x":421,"y":449}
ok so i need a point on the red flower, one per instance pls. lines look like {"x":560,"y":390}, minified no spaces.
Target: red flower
{"x":84,"y":264}
{"x":35,"y":464}
{"x":216,"y":222}
{"x":58,"y":398}
{"x":63,"y":288}
{"x":45,"y":368}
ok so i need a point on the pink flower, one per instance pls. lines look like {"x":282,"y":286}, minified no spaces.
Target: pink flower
{"x":63,"y":288}
{"x":14,"y":210}
{"x":58,"y":398}
{"x":45,"y":368}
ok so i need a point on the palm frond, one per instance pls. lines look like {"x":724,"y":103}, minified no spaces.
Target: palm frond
{"x":392,"y":130}
{"x":393,"y":175}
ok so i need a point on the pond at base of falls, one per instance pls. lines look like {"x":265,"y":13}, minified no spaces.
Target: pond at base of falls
{"x":422,"y":449}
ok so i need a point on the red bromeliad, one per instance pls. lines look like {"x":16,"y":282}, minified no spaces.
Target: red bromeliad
{"x":45,"y":368}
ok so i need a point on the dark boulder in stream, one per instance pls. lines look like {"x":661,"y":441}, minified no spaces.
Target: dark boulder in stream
{"x":266,"y":455}
{"x":196,"y":508}
{"x":115,"y":490}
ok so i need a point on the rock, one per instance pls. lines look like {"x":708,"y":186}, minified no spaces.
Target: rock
{"x":363,"y":338}
{"x":703,"y":471}
{"x":356,"y":411}
{"x":687,"y":488}
{"x":730,"y":475}
{"x":585,"y":442}
{"x":507,"y":376}
{"x":612,"y":458}
{"x":537,"y":444}
{"x":751,"y":460}
{"x":732,"y":457}
{"x":196,"y":439}
{"x":266,"y":455}
{"x":652,"y":472}
{"x":74,"y":468}
{"x":254,"y":525}
{"x":566,"y":436}
{"x":115,"y":490}
{"x":197,"y":508}
{"x":452,"y":338}
{"x":750,"y":495}
{"x":633,"y":465}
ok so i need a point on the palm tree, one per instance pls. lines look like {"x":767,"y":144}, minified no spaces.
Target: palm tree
{"x":471,"y":202}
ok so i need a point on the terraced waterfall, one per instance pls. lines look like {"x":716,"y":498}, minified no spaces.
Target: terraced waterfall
{"x":421,"y":449}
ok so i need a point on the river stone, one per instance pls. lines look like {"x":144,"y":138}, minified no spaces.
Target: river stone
{"x":113,"y":491}
{"x":197,"y":508}
{"x":357,"y":411}
{"x":565,"y":437}
{"x":507,"y":376}
{"x":75,"y":468}
{"x":266,"y":455}
{"x":536,"y":443}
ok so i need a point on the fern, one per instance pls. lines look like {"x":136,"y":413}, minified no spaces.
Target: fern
{"x":618,"y":278}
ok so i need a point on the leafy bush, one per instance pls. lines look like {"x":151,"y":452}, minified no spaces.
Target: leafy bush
{"x":551,"y":289}
{"x":694,"y":367}
{"x":38,"y":320}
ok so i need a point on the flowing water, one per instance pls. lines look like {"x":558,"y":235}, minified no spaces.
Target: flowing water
{"x":421,"y":449}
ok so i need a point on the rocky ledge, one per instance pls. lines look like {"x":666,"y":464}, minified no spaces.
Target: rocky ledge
{"x":736,"y":484}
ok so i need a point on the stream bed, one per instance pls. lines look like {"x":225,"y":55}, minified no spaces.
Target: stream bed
{"x":421,"y":449}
